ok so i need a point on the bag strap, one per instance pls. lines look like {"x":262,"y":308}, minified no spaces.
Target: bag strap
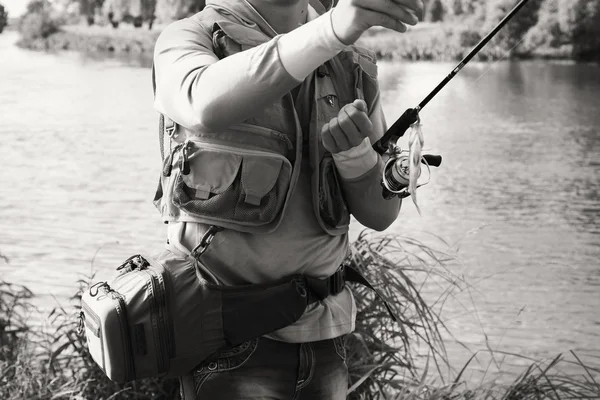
{"x":321,"y":288}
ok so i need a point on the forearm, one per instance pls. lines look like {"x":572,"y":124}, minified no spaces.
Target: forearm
{"x":199,"y":91}
{"x":365,"y":200}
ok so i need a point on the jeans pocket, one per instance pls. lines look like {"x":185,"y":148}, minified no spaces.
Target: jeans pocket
{"x":226,"y":360}
{"x":340,"y":346}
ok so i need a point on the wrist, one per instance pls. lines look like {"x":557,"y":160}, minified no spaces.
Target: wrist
{"x":331,"y":21}
{"x":356,"y":161}
{"x":305,"y":48}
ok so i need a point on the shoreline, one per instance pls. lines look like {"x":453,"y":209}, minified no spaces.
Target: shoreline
{"x":428,"y":42}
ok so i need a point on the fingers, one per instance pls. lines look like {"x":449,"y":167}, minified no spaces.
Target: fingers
{"x":388,"y":13}
{"x":340,"y":135}
{"x":348,"y":129}
{"x":350,"y":18}
{"x":357,"y":112}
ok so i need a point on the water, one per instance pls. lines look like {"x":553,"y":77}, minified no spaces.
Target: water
{"x":518,"y":194}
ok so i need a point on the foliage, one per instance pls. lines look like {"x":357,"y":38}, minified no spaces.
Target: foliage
{"x":45,"y":365}
{"x":580,"y":21}
{"x":539,"y":27}
{"x":435,"y":11}
{"x":170,"y":10}
{"x":39,"y":21}
{"x":3,"y":18}
{"x":514,"y":31}
{"x":381,"y":351}
{"x":384,"y":357}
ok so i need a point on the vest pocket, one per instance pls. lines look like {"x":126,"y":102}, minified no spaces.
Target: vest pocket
{"x":332,"y":206}
{"x":232,"y":185}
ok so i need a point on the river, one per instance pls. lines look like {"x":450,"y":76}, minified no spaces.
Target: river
{"x":518,"y":194}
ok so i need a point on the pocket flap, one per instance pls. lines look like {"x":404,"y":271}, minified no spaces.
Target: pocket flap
{"x":259,"y":175}
{"x":212,"y":172}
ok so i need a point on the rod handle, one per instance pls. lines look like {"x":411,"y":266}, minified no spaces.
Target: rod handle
{"x":397,"y":130}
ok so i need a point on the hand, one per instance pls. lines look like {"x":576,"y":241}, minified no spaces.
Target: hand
{"x":348,"y":129}
{"x":350,"y":18}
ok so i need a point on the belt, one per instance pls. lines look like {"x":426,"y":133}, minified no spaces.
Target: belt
{"x":319,"y":289}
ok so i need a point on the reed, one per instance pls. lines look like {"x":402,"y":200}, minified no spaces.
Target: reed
{"x":386,"y":360}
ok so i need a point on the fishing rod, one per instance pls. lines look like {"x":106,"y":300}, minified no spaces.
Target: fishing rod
{"x":395,"y":178}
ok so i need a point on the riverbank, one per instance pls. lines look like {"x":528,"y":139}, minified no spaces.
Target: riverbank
{"x":426,"y":42}
{"x":95,"y":39}
{"x":54,"y":363}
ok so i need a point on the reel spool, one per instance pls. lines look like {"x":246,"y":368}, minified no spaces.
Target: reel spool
{"x":396,"y":173}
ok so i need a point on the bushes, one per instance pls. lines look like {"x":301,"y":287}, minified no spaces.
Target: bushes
{"x":53,"y":365}
{"x":3,"y":18}
{"x":39,"y":21}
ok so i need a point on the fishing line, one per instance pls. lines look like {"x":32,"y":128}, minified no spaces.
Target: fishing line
{"x":400,"y":168}
{"x":497,"y":61}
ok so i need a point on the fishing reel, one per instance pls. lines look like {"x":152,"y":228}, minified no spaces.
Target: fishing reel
{"x":396,"y":173}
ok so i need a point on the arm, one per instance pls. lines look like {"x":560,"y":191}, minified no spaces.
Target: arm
{"x":201,"y":92}
{"x":359,"y":166}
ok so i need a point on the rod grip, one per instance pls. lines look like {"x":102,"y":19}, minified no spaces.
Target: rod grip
{"x":397,"y":130}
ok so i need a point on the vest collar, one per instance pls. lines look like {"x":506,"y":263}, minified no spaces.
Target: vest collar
{"x":243,"y":10}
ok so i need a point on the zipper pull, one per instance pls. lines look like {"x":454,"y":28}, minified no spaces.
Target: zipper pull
{"x":185,"y":163}
{"x":330,"y":100}
{"x":81,"y":323}
{"x":168,"y":166}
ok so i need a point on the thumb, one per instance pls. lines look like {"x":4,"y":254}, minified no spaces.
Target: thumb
{"x":361,"y":105}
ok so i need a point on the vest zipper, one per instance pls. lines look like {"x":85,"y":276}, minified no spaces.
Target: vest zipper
{"x":268,"y":133}
{"x":261,"y":153}
{"x":169,"y":161}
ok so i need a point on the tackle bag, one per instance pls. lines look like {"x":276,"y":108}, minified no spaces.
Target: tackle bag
{"x":162,"y":316}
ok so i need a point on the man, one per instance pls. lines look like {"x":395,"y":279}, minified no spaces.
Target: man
{"x":285,"y":113}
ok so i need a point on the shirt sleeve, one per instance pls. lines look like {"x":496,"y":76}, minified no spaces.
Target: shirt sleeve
{"x":363,"y":192}
{"x":200,"y":92}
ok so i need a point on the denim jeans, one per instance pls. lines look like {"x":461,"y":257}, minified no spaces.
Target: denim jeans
{"x":268,"y":369}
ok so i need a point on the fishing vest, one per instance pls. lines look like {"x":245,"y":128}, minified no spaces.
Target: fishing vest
{"x":243,"y":177}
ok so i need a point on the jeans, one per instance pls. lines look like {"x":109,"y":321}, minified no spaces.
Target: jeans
{"x":267,"y":369}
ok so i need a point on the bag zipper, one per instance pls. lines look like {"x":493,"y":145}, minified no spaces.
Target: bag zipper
{"x":158,"y":320}
{"x":165,"y":319}
{"x":127,"y":351}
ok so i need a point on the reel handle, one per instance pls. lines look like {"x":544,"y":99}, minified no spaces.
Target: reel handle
{"x":433,"y":160}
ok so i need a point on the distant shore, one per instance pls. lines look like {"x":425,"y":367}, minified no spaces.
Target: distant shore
{"x":94,"y":39}
{"x":427,"y":41}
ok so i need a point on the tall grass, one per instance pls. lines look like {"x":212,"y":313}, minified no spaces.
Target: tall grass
{"x":386,"y":359}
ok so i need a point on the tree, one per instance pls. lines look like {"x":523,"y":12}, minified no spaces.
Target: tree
{"x":171,"y":10}
{"x":435,"y":12}
{"x":87,"y":8}
{"x":455,"y":7}
{"x":514,"y":31}
{"x":547,"y":32}
{"x":579,"y":20}
{"x":39,"y":21}
{"x":3,"y":18}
